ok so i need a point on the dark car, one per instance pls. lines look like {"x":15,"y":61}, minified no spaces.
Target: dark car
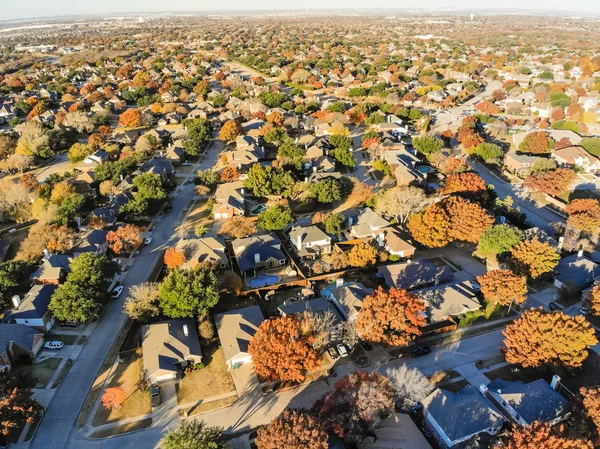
{"x":168,"y":208}
{"x":332,"y":352}
{"x":420,"y":351}
{"x":155,"y":395}
{"x":552,"y":306}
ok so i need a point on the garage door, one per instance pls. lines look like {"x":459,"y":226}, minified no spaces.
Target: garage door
{"x":164,"y":378}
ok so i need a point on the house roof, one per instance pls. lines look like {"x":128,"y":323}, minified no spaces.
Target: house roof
{"x":202,"y":250}
{"x":91,"y":241}
{"x":350,"y":297}
{"x":569,"y":154}
{"x":367,"y":222}
{"x":159,"y":166}
{"x":534,"y":401}
{"x":165,"y":344}
{"x":446,"y":300}
{"x":415,"y":274}
{"x":18,"y":334}
{"x":317,"y":305}
{"x":230,"y":189}
{"x":266,"y":246}
{"x":462,"y":414}
{"x":398,"y":431}
{"x":577,"y":270}
{"x":308,"y":234}
{"x":35,"y":303}
{"x":236,"y":328}
{"x":395,"y":242}
{"x":52,"y":267}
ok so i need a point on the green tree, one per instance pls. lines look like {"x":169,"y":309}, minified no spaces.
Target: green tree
{"x":79,"y":152}
{"x":188,"y":293}
{"x":334,"y":223}
{"x":275,"y":218}
{"x":13,"y":276}
{"x":427,"y":145}
{"x":148,"y":198}
{"x":264,"y":181}
{"x":326,"y":191}
{"x":70,"y":207}
{"x":194,"y":434}
{"x":344,"y":157}
{"x":499,"y":239}
{"x":488,"y":151}
{"x":198,"y":134}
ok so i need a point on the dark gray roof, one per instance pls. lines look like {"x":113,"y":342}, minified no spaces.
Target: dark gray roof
{"x":236,"y":328}
{"x":159,"y":166}
{"x":535,"y":401}
{"x":415,"y":274}
{"x":19,"y":334}
{"x":35,"y":303}
{"x":267,"y":246}
{"x":317,"y":305}
{"x":91,"y":241}
{"x":462,"y":414}
{"x":577,"y":270}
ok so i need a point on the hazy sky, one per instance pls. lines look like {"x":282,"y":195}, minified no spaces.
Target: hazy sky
{"x":12,"y":9}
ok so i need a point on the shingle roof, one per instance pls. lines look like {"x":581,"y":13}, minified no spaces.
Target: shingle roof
{"x":267,"y":246}
{"x":579,"y":271}
{"x":19,"y":334}
{"x":236,"y":328}
{"x":35,"y":303}
{"x":446,"y":300}
{"x":415,"y":274}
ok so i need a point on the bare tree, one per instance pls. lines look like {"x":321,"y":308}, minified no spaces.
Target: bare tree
{"x":409,"y":384}
{"x":318,"y":325}
{"x":401,"y":202}
{"x":79,"y":121}
{"x":142,"y":302}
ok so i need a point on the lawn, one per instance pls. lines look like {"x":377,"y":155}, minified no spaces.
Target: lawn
{"x":14,"y":239}
{"x":203,"y":408}
{"x":128,"y":377}
{"x":63,"y":373}
{"x":212,"y":380}
{"x":490,"y":312}
{"x":42,"y":371}
{"x":200,"y":214}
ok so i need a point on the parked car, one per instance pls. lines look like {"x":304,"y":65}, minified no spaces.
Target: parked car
{"x":342,"y":350}
{"x":147,"y":240}
{"x":68,"y":324}
{"x":168,"y":208}
{"x":553,"y":306}
{"x":117,"y":292}
{"x":155,"y":395}
{"x":420,"y":351}
{"x":55,"y":344}
{"x":584,"y":309}
{"x":117,"y":261}
{"x":332,"y":352}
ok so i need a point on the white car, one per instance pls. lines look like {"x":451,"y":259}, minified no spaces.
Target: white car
{"x":147,"y":240}
{"x":342,"y":350}
{"x":117,"y":292}
{"x":56,"y":344}
{"x":117,"y":261}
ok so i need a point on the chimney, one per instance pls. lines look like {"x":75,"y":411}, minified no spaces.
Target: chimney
{"x":16,"y":300}
{"x":580,"y":253}
{"x":339,"y":282}
{"x":561,"y":241}
{"x":555,"y":382}
{"x":299,"y":244}
{"x":483,"y":389}
{"x":46,"y":253}
{"x":256,"y":257}
{"x":242,"y":192}
{"x":186,"y":331}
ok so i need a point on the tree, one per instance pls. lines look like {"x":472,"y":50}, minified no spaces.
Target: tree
{"x":113,"y":398}
{"x":60,"y":191}
{"x":79,"y":121}
{"x":594,"y":300}
{"x":200,"y":230}
{"x":185,"y":293}
{"x":238,"y":227}
{"x":131,"y":118}
{"x":410,"y":386}
{"x":543,"y":164}
{"x":174,"y":258}
{"x":292,"y":429}
{"x":534,"y":258}
{"x":17,"y":404}
{"x":466,"y":182}
{"x":499,"y":239}
{"x":344,"y":156}
{"x":539,"y":338}
{"x":393,"y":318}
{"x":13,"y":276}
{"x":503,"y":287}
{"x":401,"y":202}
{"x":264,"y":181}
{"x":538,"y":142}
{"x":551,"y":182}
{"x":430,"y":227}
{"x":362,"y":255}
{"x":148,"y":198}
{"x":230,"y":131}
{"x":207,"y":178}
{"x":17,"y":162}
{"x":59,"y":238}
{"x":540,"y":436}
{"x":34,"y":141}
{"x":142,"y":302}
{"x":280,"y":351}
{"x":193,"y":434}
{"x":230,"y":174}
{"x":591,"y":403}
{"x":584,"y":214}
{"x":427,"y":145}
{"x":369,"y":399}
{"x":326,"y":191}
{"x":125,"y":239}
{"x":275,"y":218}
{"x":334,"y":223}
{"x":70,"y":208}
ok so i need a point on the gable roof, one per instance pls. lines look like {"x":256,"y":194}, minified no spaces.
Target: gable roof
{"x":349,"y":297}
{"x":577,"y":270}
{"x":35,"y":303}
{"x":395,"y":242}
{"x":19,"y":334}
{"x":308,"y":234}
{"x":398,"y":431}
{"x":415,"y":274}
{"x":202,"y":250}
{"x":367,"y":222}
{"x":446,"y":300}
{"x":317,"y":305}
{"x":236,"y":328}
{"x":52,"y":267}
{"x":569,"y":154}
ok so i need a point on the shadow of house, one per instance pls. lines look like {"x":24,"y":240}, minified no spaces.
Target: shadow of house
{"x":575,"y":273}
{"x":415,"y":274}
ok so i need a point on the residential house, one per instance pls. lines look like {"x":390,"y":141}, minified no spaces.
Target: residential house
{"x":454,"y":418}
{"x":556,"y":134}
{"x":229,"y":200}
{"x":576,"y":155}
{"x":526,"y":403}
{"x":390,"y":239}
{"x":309,"y":241}
{"x":235,"y":329}
{"x":19,"y":344}
{"x":32,"y":310}
{"x":367,"y":224}
{"x":97,"y":158}
{"x":415,"y":274}
{"x":160,"y":166}
{"x":519,"y":164}
{"x":93,"y":241}
{"x":576,"y":272}
{"x":53,"y":269}
{"x":257,"y":253}
{"x":443,"y":302}
{"x":397,"y":431}
{"x":347,"y":298}
{"x":169,"y":347}
{"x":396,"y":129}
{"x":175,"y":153}
{"x":204,"y":251}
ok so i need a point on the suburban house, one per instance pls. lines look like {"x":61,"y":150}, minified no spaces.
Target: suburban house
{"x":169,"y":347}
{"x":454,"y":418}
{"x":316,"y":306}
{"x":259,"y":252}
{"x":394,"y":244}
{"x":366,"y":224}
{"x":527,"y":403}
{"x":347,"y":298}
{"x":576,"y":272}
{"x":442,"y":302}
{"x":19,"y":343}
{"x":33,"y":309}
{"x":235,"y":329}
{"x":93,"y":241}
{"x":576,"y":155}
{"x":175,"y":153}
{"x":519,"y":164}
{"x":397,"y":431}
{"x":229,"y":200}
{"x":415,"y":274}
{"x":97,"y":158}
{"x":160,"y":166}
{"x":53,"y":269}
{"x":309,"y":241}
{"x":396,"y":129}
{"x":204,"y":251}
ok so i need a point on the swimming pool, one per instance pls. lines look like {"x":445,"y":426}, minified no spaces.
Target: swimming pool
{"x":263,"y":280}
{"x":258,"y":209}
{"x":424,"y":169}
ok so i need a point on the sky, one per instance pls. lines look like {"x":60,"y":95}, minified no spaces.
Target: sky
{"x":41,"y":8}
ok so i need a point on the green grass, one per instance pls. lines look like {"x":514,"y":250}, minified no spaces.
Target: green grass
{"x":489,"y":312}
{"x":63,"y":373}
{"x":41,"y":372}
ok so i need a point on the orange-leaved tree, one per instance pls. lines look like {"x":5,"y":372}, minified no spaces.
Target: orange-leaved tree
{"x":431,"y":226}
{"x":536,"y":143}
{"x":131,"y":118}
{"x":584,"y":214}
{"x":541,"y":338}
{"x":230,"y":130}
{"x":113,"y":398}
{"x":173,"y":258}
{"x":466,"y":182}
{"x":541,"y":436}
{"x":594,"y":300}
{"x":393,"y":317}
{"x":551,"y":182}
{"x":124,"y":239}
{"x":280,"y":351}
{"x":503,"y":287}
{"x":533,"y":258}
{"x":230,"y":174}
{"x":362,"y":255}
{"x":293,"y":429}
{"x":591,"y":403}
{"x":468,"y":221}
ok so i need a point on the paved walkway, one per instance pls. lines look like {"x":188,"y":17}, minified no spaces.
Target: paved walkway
{"x":472,"y":374}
